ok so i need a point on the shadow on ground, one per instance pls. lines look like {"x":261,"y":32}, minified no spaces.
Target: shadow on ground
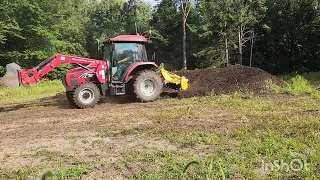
{"x":61,"y":102}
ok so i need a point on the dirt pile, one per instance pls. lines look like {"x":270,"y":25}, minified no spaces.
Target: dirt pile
{"x":226,"y":80}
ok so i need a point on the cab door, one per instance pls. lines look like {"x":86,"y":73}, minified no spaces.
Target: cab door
{"x":124,"y":56}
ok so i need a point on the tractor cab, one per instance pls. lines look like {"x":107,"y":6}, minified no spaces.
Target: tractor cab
{"x":122,"y":53}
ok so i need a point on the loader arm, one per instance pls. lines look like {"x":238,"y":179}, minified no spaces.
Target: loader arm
{"x":16,"y":76}
{"x":35,"y":74}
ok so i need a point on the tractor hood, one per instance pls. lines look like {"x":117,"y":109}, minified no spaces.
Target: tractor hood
{"x":82,"y":71}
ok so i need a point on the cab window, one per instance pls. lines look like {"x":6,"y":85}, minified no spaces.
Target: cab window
{"x":133,"y":51}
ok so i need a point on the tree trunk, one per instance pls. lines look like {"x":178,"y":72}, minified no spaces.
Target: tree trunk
{"x":184,"y":39}
{"x":252,"y":40}
{"x":227,"y":51}
{"x":240,"y":44}
{"x":185,"y":9}
{"x":136,"y":28}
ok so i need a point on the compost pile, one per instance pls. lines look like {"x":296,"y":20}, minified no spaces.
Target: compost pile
{"x":226,"y":80}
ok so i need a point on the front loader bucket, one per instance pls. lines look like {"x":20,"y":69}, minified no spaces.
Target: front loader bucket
{"x":173,"y":79}
{"x":11,"y":78}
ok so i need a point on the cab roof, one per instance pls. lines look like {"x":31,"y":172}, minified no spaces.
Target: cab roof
{"x":129,"y":38}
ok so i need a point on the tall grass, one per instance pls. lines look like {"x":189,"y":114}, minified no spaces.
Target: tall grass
{"x":42,"y":89}
{"x":298,"y":85}
{"x":312,"y":77}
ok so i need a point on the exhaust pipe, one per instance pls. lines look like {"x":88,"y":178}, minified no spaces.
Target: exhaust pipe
{"x":11,"y":78}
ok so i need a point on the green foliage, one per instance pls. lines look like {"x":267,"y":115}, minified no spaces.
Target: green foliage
{"x":312,"y":77}
{"x":222,"y":22}
{"x":76,"y":171}
{"x":113,"y":18}
{"x":297,"y":85}
{"x":289,"y":44}
{"x":39,"y":29}
{"x":64,"y":173}
{"x":19,"y":174}
{"x":58,"y":72}
{"x":271,"y":86}
{"x":165,"y":36}
{"x":2,"y":71}
{"x":285,"y":37}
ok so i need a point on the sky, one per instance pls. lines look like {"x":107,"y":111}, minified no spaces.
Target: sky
{"x":153,"y":2}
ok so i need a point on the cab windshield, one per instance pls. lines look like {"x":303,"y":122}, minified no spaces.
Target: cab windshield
{"x":134,"y":51}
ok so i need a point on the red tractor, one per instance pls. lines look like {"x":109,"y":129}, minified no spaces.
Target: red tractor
{"x":124,"y":69}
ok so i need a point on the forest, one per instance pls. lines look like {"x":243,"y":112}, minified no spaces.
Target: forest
{"x":278,"y":36}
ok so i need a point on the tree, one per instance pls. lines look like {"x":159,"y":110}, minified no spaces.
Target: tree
{"x":144,"y":16}
{"x":106,"y":20}
{"x":167,"y":34}
{"x":216,"y":29}
{"x":185,"y":6}
{"x":112,"y":18}
{"x":290,"y":37}
{"x":35,"y":30}
{"x":278,"y":36}
{"x":246,"y":16}
{"x":229,"y":24}
{"x":130,"y":16}
{"x":137,"y":15}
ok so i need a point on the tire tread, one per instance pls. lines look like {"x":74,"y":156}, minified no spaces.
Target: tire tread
{"x":94,"y":88}
{"x":135,"y":83}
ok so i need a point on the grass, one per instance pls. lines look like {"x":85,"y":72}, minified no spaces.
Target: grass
{"x":298,"y":85}
{"x":63,"y":173}
{"x":277,"y":131}
{"x":214,"y":137}
{"x":280,"y":128}
{"x":312,"y":77}
{"x":44,"y":88}
{"x":20,"y":173}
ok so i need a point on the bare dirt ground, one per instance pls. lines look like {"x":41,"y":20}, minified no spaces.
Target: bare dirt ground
{"x":119,"y":139}
{"x":229,"y":135}
{"x":35,"y":135}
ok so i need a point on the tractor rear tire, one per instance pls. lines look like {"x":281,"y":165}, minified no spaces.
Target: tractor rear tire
{"x":86,"y":95}
{"x":69,"y":95}
{"x":147,"y":85}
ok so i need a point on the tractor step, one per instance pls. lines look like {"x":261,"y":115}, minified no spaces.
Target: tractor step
{"x":117,"y":89}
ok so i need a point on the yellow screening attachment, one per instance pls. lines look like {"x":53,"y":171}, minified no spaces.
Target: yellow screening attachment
{"x":175,"y":79}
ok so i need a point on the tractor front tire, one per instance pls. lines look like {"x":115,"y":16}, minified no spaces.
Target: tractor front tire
{"x":147,"y":85}
{"x":86,"y":95}
{"x":69,"y":95}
